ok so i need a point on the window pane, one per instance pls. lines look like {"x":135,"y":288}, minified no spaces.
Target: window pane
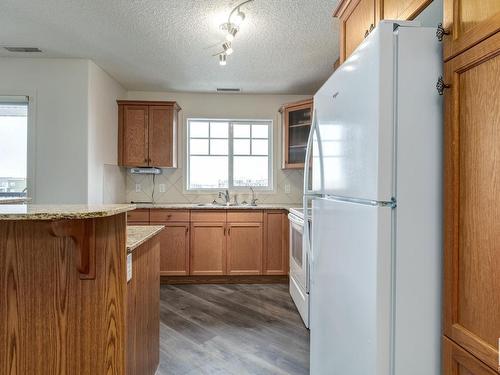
{"x":13,"y":148}
{"x":241,"y":131}
{"x":241,"y":147}
{"x":260,"y":147}
{"x":260,"y":131}
{"x":198,"y":146}
{"x":219,"y":129}
{"x":198,"y":129}
{"x":208,"y":172}
{"x":218,"y":147}
{"x":250,"y":171}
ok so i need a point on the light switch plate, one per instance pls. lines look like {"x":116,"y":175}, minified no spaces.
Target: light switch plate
{"x":162,"y":188}
{"x":129,"y":267}
{"x":138,"y":188}
{"x":287,"y":188}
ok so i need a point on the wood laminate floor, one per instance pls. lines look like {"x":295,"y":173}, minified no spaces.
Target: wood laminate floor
{"x":231,"y":329}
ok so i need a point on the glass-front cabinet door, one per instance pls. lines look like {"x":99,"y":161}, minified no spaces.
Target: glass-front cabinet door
{"x":296,"y":125}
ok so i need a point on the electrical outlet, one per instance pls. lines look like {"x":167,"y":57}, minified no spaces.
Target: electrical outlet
{"x":287,"y":188}
{"x":138,"y":188}
{"x":162,"y":188}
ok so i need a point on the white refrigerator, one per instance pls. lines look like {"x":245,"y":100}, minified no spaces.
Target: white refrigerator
{"x":374,"y":183}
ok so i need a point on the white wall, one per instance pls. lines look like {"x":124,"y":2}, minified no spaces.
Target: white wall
{"x":73,"y":128}
{"x":237,"y":106}
{"x":103,"y":138}
{"x":59,"y":111}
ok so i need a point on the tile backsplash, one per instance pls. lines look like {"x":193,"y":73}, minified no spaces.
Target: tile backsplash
{"x":174,"y":181}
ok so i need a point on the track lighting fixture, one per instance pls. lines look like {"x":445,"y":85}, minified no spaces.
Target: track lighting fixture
{"x":231,"y":28}
{"x":222,"y":59}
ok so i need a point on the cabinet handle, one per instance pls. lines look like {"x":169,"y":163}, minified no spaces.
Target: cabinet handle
{"x":187,"y":230}
{"x":441,"y":32}
{"x":372,"y":26}
{"x":441,"y":86}
{"x":229,"y":231}
{"x":367,"y":33}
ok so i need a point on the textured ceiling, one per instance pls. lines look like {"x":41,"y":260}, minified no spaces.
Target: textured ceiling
{"x":284,"y":46}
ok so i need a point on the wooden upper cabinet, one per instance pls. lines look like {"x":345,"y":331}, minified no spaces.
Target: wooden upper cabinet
{"x":297,"y":119}
{"x":134,"y":142}
{"x":147,"y":134}
{"x":357,"y":20}
{"x":457,"y":361}
{"x":276,"y":249}
{"x":472,"y":200}
{"x":402,"y":9}
{"x":359,"y":17}
{"x":468,"y":22}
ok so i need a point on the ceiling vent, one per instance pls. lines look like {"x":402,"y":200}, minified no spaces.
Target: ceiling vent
{"x":23,"y":49}
{"x":222,"y":89}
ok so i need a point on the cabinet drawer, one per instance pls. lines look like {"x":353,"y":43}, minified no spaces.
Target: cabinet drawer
{"x":457,"y":361}
{"x":161,"y":215}
{"x":246,"y":216}
{"x":204,"y":215}
{"x":140,"y":215}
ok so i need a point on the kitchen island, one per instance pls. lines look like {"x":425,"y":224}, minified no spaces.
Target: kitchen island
{"x":63,"y":289}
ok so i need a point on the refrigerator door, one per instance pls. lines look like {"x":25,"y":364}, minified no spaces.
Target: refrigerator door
{"x":355,"y":117}
{"x":350,"y":314}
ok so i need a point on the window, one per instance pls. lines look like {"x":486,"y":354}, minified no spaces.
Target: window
{"x":229,"y":154}
{"x":13,"y":146}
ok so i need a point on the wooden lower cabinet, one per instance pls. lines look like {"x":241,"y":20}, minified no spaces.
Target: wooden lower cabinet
{"x":219,"y":242}
{"x":276,"y":248}
{"x":472,"y":201}
{"x":174,"y":254}
{"x":143,"y":301}
{"x":457,"y":361}
{"x":208,"y":248}
{"x":244,"y":249}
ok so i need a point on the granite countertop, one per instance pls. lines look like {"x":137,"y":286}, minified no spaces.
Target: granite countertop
{"x":208,"y":206}
{"x":138,"y":234}
{"x":60,"y":211}
{"x":14,"y":200}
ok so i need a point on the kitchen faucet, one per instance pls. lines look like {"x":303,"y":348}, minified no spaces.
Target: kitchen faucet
{"x":226,"y":196}
{"x":254,"y":200}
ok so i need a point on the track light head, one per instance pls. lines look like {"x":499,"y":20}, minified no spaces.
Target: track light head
{"x":227,"y":48}
{"x":222,"y":59}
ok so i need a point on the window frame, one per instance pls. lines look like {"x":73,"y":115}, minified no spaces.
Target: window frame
{"x":230,"y":156}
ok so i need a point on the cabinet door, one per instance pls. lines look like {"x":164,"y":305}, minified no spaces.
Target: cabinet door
{"x":296,"y":132}
{"x":472,"y":200}
{"x":457,"y":361}
{"x":208,"y":248}
{"x":403,"y":9}
{"x":356,"y":22}
{"x":469,"y":22}
{"x":244,"y":250}
{"x":134,"y":145}
{"x":174,"y":254}
{"x":276,"y":241}
{"x":161,"y":136}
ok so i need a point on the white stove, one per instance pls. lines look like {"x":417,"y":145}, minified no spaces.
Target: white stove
{"x":299,"y":263}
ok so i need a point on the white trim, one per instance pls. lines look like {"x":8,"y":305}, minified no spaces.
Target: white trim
{"x":271,"y":172}
{"x":31,"y":94}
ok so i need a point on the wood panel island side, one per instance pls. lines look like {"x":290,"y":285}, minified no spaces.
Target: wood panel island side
{"x":64,"y":297}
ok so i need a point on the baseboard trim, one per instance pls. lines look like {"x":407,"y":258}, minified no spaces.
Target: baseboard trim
{"x":260,"y":279}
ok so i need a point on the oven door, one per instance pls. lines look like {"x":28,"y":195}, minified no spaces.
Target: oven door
{"x":298,"y":255}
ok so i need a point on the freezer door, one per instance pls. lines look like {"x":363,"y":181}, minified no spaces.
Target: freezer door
{"x":354,"y":115}
{"x":351,"y":288}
